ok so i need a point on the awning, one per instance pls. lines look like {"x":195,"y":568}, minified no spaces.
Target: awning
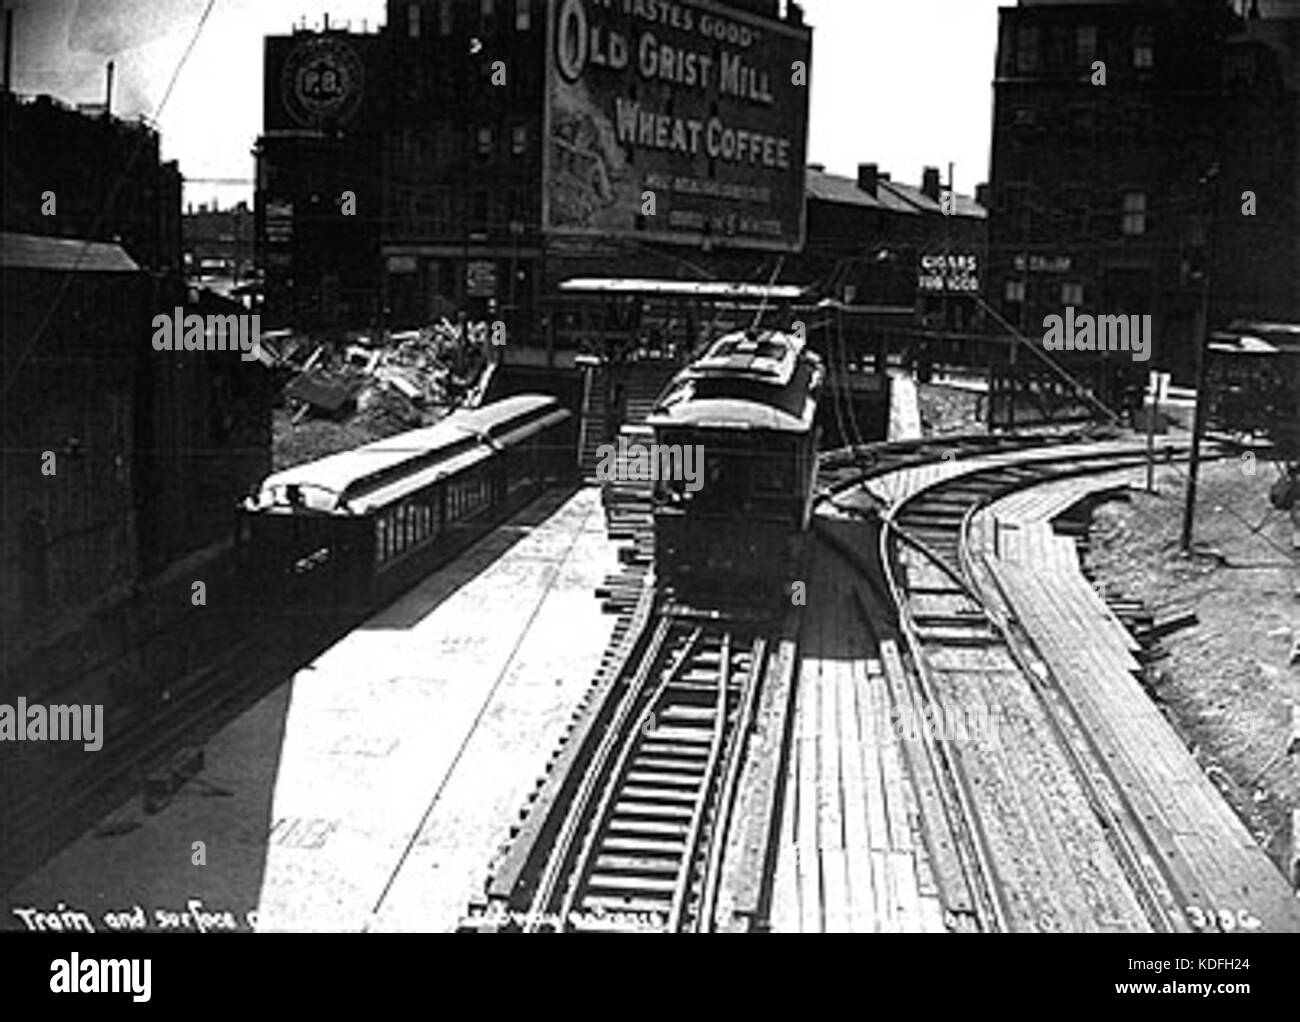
{"x":680,"y":288}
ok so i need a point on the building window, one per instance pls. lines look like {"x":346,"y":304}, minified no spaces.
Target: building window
{"x":1135,"y":213}
{"x":519,"y":139}
{"x":1144,"y":54}
{"x":1027,"y":49}
{"x":1071,"y":294}
{"x":523,"y":15}
{"x":488,"y":16}
{"x":479,"y":214}
{"x":445,"y":17}
{"x":1015,"y":291}
{"x":413,"y":20}
{"x":483,"y":144}
{"x":1085,"y":44}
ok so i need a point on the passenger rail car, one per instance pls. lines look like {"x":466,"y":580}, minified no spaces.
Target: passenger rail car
{"x":352,"y":530}
{"x":1253,"y":384}
{"x":748,"y":405}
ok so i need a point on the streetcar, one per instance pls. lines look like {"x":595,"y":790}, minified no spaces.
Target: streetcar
{"x":748,"y":406}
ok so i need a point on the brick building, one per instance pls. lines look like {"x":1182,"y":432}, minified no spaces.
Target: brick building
{"x":876,"y":241}
{"x":73,"y":316}
{"x":319,"y":200}
{"x":159,"y":446}
{"x":1111,"y":198}
{"x":443,"y":118}
{"x":106,"y":178}
{"x":218,"y":242}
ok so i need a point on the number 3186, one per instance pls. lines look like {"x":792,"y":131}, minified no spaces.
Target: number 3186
{"x":1224,"y":920}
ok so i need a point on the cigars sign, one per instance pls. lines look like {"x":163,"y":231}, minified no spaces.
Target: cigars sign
{"x":946,"y":273}
{"x":675,"y":121}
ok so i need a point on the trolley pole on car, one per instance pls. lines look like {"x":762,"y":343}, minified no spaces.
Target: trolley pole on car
{"x":1209,"y":184}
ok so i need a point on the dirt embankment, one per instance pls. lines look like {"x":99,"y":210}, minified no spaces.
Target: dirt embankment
{"x":1227,"y":684}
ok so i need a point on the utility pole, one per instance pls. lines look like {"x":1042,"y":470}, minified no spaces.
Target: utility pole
{"x":1210,"y":192}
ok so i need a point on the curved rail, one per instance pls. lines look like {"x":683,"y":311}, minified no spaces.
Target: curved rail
{"x":964,"y":574}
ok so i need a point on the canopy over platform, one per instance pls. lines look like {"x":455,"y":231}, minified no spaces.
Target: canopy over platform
{"x":702,"y":289}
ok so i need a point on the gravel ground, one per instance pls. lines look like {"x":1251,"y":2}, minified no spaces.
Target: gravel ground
{"x":1227,"y":684}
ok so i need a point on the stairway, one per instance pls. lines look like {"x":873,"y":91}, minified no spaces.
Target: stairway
{"x":642,"y":383}
{"x":593,"y":422}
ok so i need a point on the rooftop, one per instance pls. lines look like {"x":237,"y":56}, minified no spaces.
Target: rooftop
{"x":891,"y":196}
{"x":42,"y":252}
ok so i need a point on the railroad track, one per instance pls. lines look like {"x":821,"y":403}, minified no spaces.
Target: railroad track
{"x":638,"y":840}
{"x":963,"y":651}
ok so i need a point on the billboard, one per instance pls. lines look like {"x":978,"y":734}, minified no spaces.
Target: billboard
{"x":675,"y":120}
{"x":321,"y":81}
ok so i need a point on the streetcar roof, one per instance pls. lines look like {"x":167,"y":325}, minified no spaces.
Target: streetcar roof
{"x":339,"y":481}
{"x":766,"y":355}
{"x":712,"y":400}
{"x":1248,"y":338}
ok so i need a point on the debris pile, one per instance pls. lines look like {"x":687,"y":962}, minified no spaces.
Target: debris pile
{"x":402,"y":381}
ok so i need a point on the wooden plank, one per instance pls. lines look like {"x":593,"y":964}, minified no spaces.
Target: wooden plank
{"x":857,"y":843}
{"x":886,"y":920}
{"x":830,"y":815}
{"x":836,"y":890}
{"x":1202,"y":846}
{"x":900,"y":831}
{"x":932,"y":916}
{"x":809,"y":863}
{"x":872,"y":732}
{"x":903,"y":868}
{"x":938,"y":839}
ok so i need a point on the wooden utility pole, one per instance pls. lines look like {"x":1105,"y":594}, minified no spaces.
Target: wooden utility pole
{"x":1209,"y":184}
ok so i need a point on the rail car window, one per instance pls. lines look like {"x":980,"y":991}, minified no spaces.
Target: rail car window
{"x":411,"y":524}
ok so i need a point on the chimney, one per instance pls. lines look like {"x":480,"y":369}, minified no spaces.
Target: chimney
{"x":930,"y":183}
{"x":108,"y":92}
{"x":868,"y":177}
{"x":982,"y":194}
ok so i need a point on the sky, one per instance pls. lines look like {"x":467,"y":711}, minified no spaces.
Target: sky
{"x":900,"y":83}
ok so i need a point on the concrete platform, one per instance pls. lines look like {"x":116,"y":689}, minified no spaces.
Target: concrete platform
{"x":372,"y":790}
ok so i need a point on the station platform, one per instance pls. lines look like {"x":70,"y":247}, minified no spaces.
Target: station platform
{"x":372,"y":791}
